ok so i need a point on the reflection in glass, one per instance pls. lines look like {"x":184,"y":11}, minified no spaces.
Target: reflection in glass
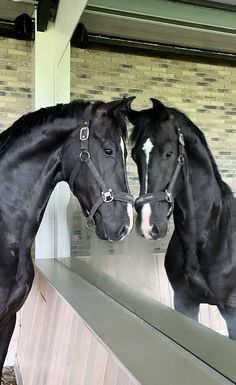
{"x":204,"y":92}
{"x":129,"y":271}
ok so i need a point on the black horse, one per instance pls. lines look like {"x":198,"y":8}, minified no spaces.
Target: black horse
{"x":178,"y":174}
{"x":81,"y":143}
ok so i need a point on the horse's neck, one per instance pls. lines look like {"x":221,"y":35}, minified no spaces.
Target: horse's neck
{"x":199,"y":204}
{"x":29,"y":172}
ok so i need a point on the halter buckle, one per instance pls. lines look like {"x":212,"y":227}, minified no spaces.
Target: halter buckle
{"x":107,"y":196}
{"x":84,"y":133}
{"x":169,"y":196}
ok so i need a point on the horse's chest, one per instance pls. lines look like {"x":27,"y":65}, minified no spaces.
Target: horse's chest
{"x":215,"y":275}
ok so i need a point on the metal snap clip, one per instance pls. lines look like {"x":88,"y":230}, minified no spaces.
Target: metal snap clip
{"x":169,"y":196}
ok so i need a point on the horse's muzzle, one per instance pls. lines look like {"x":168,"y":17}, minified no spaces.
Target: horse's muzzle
{"x":112,"y":234}
{"x":158,"y":232}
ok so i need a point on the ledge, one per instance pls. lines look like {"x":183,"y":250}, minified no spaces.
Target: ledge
{"x":148,"y":354}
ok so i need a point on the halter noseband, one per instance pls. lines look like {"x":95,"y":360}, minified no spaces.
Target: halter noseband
{"x":166,"y":195}
{"x":107,"y":194}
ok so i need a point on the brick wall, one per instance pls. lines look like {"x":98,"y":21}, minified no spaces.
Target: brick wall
{"x":15,"y":80}
{"x":205,"y":91}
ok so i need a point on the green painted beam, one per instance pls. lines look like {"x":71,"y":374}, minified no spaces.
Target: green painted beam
{"x":169,"y":11}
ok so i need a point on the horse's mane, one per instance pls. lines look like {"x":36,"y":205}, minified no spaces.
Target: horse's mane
{"x":184,"y":121}
{"x":45,"y":115}
{"x":36,"y":118}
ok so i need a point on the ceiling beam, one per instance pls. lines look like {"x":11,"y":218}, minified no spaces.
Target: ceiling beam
{"x":68,"y":15}
{"x":43,"y":14}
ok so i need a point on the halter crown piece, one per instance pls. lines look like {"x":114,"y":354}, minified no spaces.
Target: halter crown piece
{"x":167,"y":195}
{"x":107,"y":194}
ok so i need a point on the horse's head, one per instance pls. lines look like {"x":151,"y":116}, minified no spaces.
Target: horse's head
{"x":93,"y":163}
{"x":159,"y":154}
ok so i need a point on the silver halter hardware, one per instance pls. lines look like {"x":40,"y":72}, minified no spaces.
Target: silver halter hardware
{"x":90,"y":224}
{"x":84,"y":132}
{"x":107,"y":196}
{"x":169,"y":196}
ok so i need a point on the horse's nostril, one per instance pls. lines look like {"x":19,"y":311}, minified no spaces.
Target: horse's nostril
{"x":122,"y":233}
{"x":154,"y":232}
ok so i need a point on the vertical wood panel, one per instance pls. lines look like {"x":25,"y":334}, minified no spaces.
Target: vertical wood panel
{"x":57,"y":348}
{"x":110,"y":371}
{"x":100,"y":365}
{"x":122,"y":378}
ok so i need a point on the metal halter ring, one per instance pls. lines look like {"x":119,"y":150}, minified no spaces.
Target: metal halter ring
{"x":181,"y":158}
{"x":107,"y":196}
{"x":84,"y":155}
{"x":90,"y":223}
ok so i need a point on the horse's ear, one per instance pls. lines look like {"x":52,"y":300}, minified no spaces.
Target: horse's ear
{"x":122,"y":105}
{"x":126,"y":104}
{"x":132,"y":116}
{"x":160,"y":109}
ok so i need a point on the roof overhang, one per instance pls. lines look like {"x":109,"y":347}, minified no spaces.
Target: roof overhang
{"x":164,"y":22}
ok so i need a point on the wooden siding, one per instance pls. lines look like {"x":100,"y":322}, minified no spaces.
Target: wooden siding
{"x":57,"y":347}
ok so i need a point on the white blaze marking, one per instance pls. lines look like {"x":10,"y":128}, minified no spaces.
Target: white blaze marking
{"x":147,"y":148}
{"x":145,"y":221}
{"x":129,"y":206}
{"x":131,"y":217}
{"x":146,"y":209}
{"x":122,"y":145}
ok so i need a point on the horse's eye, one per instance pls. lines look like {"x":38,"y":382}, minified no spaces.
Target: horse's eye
{"x":108,"y":151}
{"x":168,"y":154}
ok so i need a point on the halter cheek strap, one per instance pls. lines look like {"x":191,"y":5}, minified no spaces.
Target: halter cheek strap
{"x":107,"y":194}
{"x":168,"y":194}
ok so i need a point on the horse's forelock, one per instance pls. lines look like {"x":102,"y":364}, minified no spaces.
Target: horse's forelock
{"x":141,"y":129}
{"x":118,"y":117}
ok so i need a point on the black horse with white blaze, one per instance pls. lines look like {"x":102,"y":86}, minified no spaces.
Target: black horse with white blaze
{"x":178,"y":174}
{"x":81,"y":143}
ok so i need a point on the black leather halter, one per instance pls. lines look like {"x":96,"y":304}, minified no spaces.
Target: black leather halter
{"x":168,"y":194}
{"x":107,"y":194}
